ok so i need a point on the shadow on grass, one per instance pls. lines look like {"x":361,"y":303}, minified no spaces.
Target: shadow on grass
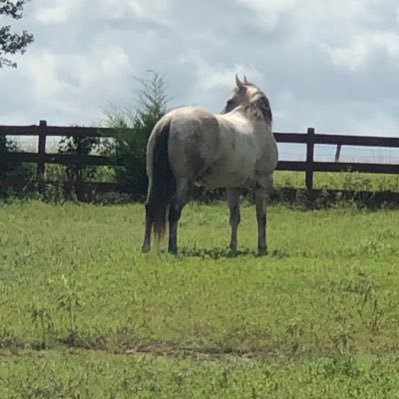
{"x":215,"y":253}
{"x":220,"y":253}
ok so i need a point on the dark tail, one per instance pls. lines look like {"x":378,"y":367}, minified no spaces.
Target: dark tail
{"x":162,"y":183}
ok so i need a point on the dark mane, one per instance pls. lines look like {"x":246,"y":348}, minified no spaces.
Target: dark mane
{"x":263,"y":105}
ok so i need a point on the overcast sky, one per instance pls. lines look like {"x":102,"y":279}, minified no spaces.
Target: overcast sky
{"x":331,"y":64}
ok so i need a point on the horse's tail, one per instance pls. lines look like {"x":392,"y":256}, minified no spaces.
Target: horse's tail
{"x":162,"y":181}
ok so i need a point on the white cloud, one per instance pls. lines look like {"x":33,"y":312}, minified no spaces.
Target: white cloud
{"x":322,"y":23}
{"x":53,"y":12}
{"x":362,"y":47}
{"x":125,"y":9}
{"x":389,"y":41}
{"x":313,"y":15}
{"x":270,"y":12}
{"x":214,"y":75}
{"x":75,"y":87}
{"x":351,"y":56}
{"x":43,"y":74}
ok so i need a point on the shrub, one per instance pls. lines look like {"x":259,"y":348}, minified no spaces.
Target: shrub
{"x":6,"y":146}
{"x":132,"y":130}
{"x":78,"y":146}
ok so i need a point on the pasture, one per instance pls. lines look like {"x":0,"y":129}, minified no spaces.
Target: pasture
{"x":84,"y":314}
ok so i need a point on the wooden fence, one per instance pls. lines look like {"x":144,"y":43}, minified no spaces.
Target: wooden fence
{"x":309,"y":166}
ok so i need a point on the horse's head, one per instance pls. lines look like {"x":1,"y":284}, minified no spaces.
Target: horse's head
{"x":247,"y":95}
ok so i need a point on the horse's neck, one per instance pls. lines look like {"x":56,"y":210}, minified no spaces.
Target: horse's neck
{"x":255,"y":118}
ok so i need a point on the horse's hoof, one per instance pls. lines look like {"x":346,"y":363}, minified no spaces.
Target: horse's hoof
{"x":145,"y":249}
{"x":262,"y":251}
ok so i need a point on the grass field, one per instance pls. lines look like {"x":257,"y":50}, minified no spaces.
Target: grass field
{"x":340,"y":181}
{"x":326,"y":180}
{"x":83,"y":314}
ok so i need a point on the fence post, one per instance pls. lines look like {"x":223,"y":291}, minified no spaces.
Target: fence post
{"x":338,"y":152}
{"x":309,"y":162}
{"x":41,"y":151}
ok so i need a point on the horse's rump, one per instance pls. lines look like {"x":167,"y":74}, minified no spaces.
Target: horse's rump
{"x":194,"y":141}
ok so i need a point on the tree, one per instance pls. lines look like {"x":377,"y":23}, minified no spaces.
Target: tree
{"x":11,"y":43}
{"x":132,"y":130}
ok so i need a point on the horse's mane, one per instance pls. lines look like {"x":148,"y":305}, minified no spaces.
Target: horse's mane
{"x":261,"y":103}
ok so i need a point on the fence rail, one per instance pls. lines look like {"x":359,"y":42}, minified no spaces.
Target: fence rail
{"x":309,"y":166}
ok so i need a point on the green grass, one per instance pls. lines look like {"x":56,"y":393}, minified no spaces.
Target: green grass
{"x":71,"y":374}
{"x":82,"y":311}
{"x":340,"y":181}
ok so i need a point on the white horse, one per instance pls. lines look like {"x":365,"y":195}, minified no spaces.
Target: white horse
{"x":235,"y":149}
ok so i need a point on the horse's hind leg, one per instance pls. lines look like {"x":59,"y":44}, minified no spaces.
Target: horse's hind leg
{"x":181,"y":198}
{"x":147,"y":233}
{"x":233,"y":198}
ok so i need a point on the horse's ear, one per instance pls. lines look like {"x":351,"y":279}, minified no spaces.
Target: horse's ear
{"x":239,"y":84}
{"x":245,"y":80}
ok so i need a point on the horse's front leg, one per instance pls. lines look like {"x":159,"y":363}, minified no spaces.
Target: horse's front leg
{"x":261,"y":196}
{"x":260,"y":201}
{"x":233,"y":198}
